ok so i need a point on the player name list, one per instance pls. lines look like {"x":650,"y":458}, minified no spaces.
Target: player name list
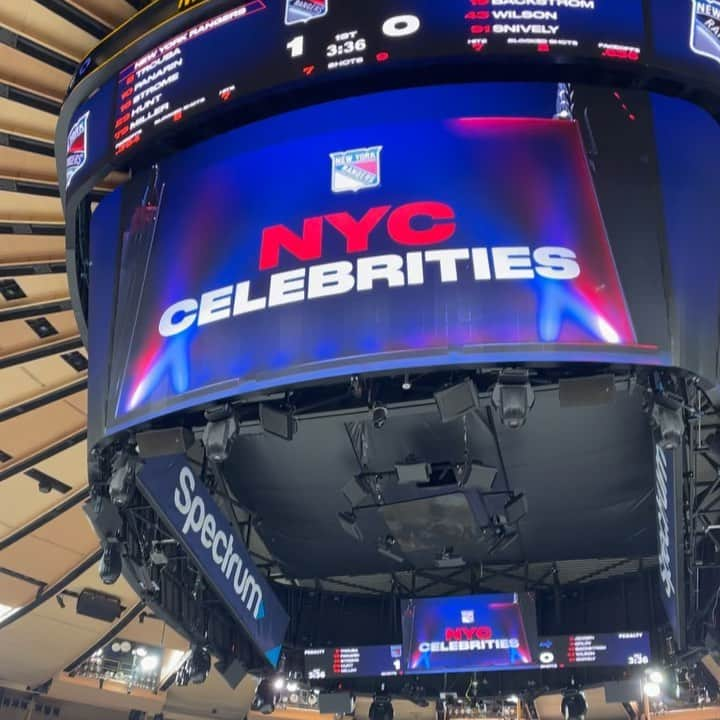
{"x":542,"y":25}
{"x":585,"y":649}
{"x":151,"y":90}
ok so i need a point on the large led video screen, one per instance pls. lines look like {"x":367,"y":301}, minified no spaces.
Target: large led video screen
{"x":431,"y":227}
{"x":469,"y":633}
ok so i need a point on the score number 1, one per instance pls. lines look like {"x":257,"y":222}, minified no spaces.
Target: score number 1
{"x":394,"y":27}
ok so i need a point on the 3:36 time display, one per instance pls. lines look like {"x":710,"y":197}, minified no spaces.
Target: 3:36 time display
{"x":346,"y":44}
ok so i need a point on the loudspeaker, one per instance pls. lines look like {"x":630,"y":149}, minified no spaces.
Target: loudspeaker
{"x":623,"y":691}
{"x":98,"y":605}
{"x":587,"y":391}
{"x":104,"y":517}
{"x":277,"y":422}
{"x":340,"y":703}
{"x":233,"y":672}
{"x":173,"y":441}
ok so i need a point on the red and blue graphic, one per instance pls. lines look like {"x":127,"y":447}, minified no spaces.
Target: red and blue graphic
{"x":354,"y":170}
{"x":485,"y":242}
{"x":77,"y":147}
{"x":475,"y":632}
{"x":705,"y":33}
{"x":302,"y":11}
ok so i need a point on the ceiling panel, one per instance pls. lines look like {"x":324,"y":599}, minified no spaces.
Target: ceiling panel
{"x":52,"y":371}
{"x":34,"y":431}
{"x":24,"y":165}
{"x":22,"y":248}
{"x":27,"y":73}
{"x":37,"y":646}
{"x":19,"y":119}
{"x":22,"y":208}
{"x":30,"y":19}
{"x":17,"y":335}
{"x":17,"y":385}
{"x":40,"y":559}
{"x":13,"y":592}
{"x":39,"y":288}
{"x":111,"y":12}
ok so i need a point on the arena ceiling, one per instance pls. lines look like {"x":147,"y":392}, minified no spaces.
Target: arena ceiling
{"x":48,"y":551}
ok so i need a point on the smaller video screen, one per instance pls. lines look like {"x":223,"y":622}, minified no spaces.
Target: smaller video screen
{"x":357,"y":661}
{"x":469,"y":633}
{"x":601,"y":649}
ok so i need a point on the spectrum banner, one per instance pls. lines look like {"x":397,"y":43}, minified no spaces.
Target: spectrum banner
{"x":180,"y":497}
{"x":294,"y":254}
{"x":463,"y":634}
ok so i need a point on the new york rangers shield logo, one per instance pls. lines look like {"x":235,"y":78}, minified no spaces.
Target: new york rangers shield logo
{"x":354,"y":170}
{"x":705,"y":33}
{"x":77,"y":146}
{"x":302,"y":11}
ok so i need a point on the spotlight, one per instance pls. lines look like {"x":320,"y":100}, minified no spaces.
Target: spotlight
{"x":348,"y":522}
{"x":44,"y":486}
{"x":574,"y":705}
{"x":122,"y":480}
{"x":110,"y":564}
{"x":292,"y":686}
{"x":198,"y":665}
{"x":668,"y":419}
{"x":652,"y":689}
{"x":655,"y":676}
{"x":456,"y":401}
{"x":264,"y":700}
{"x":407,"y":385}
{"x":280,"y":423}
{"x":386,"y":547}
{"x":513,"y":397}
{"x":219,"y":433}
{"x":149,"y":663}
{"x":379,"y":415}
{"x":381,"y":707}
{"x":278,"y":683}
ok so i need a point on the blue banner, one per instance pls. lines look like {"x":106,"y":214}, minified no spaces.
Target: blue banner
{"x":192,"y":515}
{"x":668,"y":497}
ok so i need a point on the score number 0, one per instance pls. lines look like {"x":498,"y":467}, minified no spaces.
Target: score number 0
{"x":394,"y":27}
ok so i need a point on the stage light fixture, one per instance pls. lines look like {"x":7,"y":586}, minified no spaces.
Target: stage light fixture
{"x":264,"y":700}
{"x":110,"y":564}
{"x":198,"y":665}
{"x":125,"y":467}
{"x":667,"y":416}
{"x":655,"y":676}
{"x":513,"y":397}
{"x":379,"y":414}
{"x":219,"y":434}
{"x":280,"y":423}
{"x":381,"y":707}
{"x":348,"y":522}
{"x":149,"y":663}
{"x":413,"y":473}
{"x":279,"y":683}
{"x":652,"y":689}
{"x":457,"y":401}
{"x":407,"y":384}
{"x":386,"y":546}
